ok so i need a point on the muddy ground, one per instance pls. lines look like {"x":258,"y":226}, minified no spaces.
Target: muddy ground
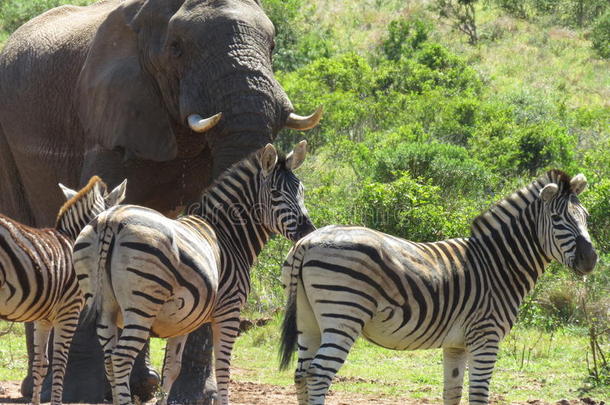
{"x":248,"y":393}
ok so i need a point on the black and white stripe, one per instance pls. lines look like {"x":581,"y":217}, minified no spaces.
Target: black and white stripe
{"x":461,"y":295}
{"x":37,"y":281}
{"x":151,"y":275}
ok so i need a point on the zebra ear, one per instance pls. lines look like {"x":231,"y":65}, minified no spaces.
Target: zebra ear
{"x":116,"y":196}
{"x":295,"y":159}
{"x":268,"y":159}
{"x":549,"y":191}
{"x":68,"y":192}
{"x":578,"y":184}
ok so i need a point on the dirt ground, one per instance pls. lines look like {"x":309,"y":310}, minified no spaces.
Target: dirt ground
{"x":247,"y":393}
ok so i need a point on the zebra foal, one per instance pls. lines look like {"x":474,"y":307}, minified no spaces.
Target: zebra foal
{"x":151,"y":275}
{"x":37,"y":280}
{"x":461,"y":295}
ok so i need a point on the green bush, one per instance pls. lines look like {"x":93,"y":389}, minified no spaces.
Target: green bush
{"x":295,"y":43}
{"x":448,"y":166}
{"x":597,"y":201}
{"x":600,"y":35}
{"x":432,"y":66}
{"x":404,"y":37}
{"x":14,"y":13}
{"x":409,"y":208}
{"x":515,"y":146}
{"x":515,"y":8}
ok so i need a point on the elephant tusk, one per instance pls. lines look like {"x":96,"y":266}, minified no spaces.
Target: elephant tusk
{"x":304,"y":123}
{"x":200,"y":124}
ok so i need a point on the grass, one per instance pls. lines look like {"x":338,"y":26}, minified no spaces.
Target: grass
{"x":531,"y":365}
{"x":553,"y":61}
{"x":13,"y":352}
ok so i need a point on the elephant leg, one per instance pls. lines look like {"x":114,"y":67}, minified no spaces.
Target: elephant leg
{"x":195,"y":383}
{"x":13,"y":200}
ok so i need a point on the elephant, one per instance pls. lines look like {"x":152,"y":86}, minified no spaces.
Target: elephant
{"x":165,"y":93}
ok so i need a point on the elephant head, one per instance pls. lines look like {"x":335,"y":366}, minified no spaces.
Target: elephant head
{"x":166,"y":78}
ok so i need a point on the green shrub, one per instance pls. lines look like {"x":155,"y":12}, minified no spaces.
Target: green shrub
{"x":513,"y":147}
{"x":430,"y":67}
{"x":295,"y":43}
{"x":448,"y":166}
{"x":597,"y":201}
{"x":515,"y":8}
{"x":600,"y":35}
{"x":14,"y":13}
{"x":409,"y":208}
{"x":543,"y":146}
{"x":404,"y":37}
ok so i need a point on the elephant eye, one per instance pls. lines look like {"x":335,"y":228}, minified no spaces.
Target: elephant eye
{"x":175,"y":49}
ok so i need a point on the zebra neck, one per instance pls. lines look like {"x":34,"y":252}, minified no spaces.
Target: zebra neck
{"x":510,"y":251}
{"x":76,"y":218}
{"x":231,"y":212}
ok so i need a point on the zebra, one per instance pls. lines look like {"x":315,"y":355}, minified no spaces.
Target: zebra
{"x":155,"y":276}
{"x":461,"y":295}
{"x":37,"y":280}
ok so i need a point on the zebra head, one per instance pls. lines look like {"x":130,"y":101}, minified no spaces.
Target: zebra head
{"x":85,"y":204}
{"x":564,"y":223}
{"x":281,"y":194}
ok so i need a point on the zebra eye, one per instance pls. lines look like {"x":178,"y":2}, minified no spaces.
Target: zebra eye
{"x":555,"y":217}
{"x":276,"y":194}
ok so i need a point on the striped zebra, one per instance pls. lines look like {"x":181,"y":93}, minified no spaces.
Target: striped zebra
{"x":154,"y":276}
{"x":37,"y":281}
{"x":461,"y":295}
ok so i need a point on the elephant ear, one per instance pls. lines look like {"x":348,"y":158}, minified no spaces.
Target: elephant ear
{"x":118,"y":103}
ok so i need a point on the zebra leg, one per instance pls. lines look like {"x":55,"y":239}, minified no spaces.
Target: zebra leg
{"x":481,"y":366}
{"x":107,"y":334}
{"x":338,"y":337}
{"x":454,"y":363}
{"x":172,"y":364}
{"x":64,"y":331}
{"x":224,"y":331}
{"x":132,"y":340}
{"x":42,"y":331}
{"x":308,"y":342}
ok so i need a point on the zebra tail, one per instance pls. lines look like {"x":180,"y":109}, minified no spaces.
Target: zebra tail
{"x":288,"y":342}
{"x":96,"y":280}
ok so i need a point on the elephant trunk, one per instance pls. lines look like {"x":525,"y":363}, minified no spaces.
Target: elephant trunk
{"x":234,"y":147}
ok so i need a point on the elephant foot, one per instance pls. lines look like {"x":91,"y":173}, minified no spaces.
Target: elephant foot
{"x":27,"y":386}
{"x":144,"y":382}
{"x":192,"y":390}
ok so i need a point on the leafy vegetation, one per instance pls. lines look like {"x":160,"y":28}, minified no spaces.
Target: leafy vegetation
{"x":422,"y":132}
{"x":600,"y":35}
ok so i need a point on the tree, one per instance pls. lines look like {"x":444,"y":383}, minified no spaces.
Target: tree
{"x":462,"y":14}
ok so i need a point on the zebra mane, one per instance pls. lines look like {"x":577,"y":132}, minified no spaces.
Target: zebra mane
{"x":522,"y":198}
{"x":252,"y":161}
{"x":83,"y":192}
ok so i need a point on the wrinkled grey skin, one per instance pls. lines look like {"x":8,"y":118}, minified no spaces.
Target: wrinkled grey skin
{"x":106,"y":90}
